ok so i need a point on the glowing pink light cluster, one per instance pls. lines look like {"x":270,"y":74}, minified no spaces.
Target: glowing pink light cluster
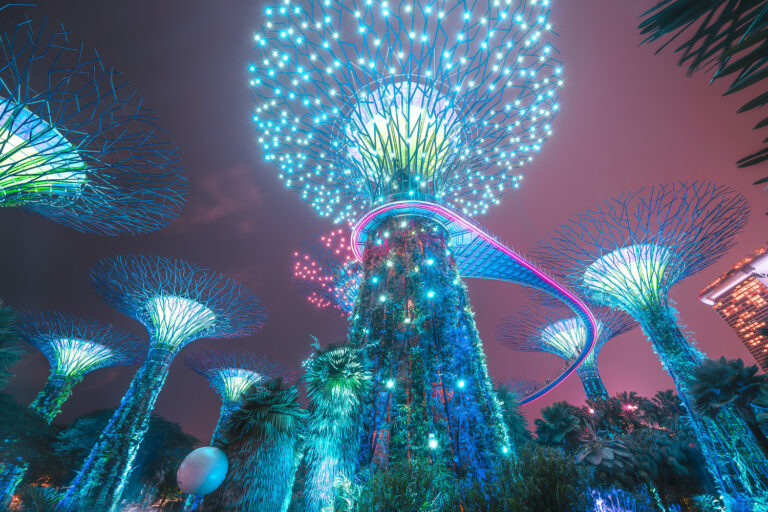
{"x":327,"y":272}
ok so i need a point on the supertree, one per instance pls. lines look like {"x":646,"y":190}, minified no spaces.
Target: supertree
{"x":540,"y":329}
{"x":397,"y":115}
{"x":178,"y":303}
{"x":73,"y":347}
{"x":337,"y":380}
{"x":230,"y":375}
{"x":327,"y":272}
{"x":77,"y":144}
{"x":627,"y":253}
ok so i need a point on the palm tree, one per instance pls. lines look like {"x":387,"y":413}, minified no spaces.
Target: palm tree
{"x":337,"y":379}
{"x":261,"y":444}
{"x":730,"y":36}
{"x":718,"y":384}
{"x":559,"y":425}
{"x":8,"y":354}
{"x":517,"y":424}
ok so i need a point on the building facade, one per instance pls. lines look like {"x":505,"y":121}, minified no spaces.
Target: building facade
{"x":740,"y":296}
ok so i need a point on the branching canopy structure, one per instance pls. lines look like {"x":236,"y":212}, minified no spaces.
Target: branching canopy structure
{"x":626,"y":253}
{"x":231,"y":374}
{"x":77,"y":144}
{"x":327,"y":272}
{"x":536,"y":329}
{"x":74,"y":346}
{"x":358,"y":102}
{"x":178,"y":303}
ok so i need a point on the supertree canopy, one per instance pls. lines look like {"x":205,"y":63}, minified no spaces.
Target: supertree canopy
{"x":337,"y":379}
{"x":77,"y":144}
{"x":536,"y":329}
{"x":327,"y":272}
{"x":361,"y":101}
{"x":74,"y":347}
{"x":627,"y":253}
{"x":231,"y":375}
{"x":394,"y":116}
{"x":178,"y":303}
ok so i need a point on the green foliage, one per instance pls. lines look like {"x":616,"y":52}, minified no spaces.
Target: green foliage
{"x":9,"y":352}
{"x":718,"y":385}
{"x":337,"y":379}
{"x":262,"y":444}
{"x":26,"y":437}
{"x":517,"y":424}
{"x":40,"y":499}
{"x":730,"y":36}
{"x":419,"y":486}
{"x":559,"y":425}
{"x":541,"y":479}
{"x":165,"y":446}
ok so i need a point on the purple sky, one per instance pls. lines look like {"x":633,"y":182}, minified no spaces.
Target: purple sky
{"x":629,"y":118}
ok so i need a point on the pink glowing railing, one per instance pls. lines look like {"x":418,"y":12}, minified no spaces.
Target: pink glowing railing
{"x":533,"y":274}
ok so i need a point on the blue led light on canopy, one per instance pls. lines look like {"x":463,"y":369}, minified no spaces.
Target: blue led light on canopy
{"x":442,"y":101}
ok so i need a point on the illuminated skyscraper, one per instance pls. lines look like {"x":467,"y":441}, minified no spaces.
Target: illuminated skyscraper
{"x":741,"y":297}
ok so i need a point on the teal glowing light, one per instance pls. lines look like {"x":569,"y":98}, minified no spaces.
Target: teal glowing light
{"x":176,"y":320}
{"x":565,"y":337}
{"x":634,"y":270}
{"x":76,"y":357}
{"x":35,"y":159}
{"x":234,"y":382}
{"x":360,"y":102}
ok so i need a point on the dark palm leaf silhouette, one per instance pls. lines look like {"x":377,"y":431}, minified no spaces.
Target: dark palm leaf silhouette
{"x":727,"y":36}
{"x":718,"y":384}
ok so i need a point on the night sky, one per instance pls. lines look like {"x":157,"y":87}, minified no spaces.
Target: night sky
{"x":629,"y":118}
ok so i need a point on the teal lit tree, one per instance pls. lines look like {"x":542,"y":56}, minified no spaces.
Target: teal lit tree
{"x":337,"y":380}
{"x":77,"y":144}
{"x":536,"y":329}
{"x":74,"y":347}
{"x":178,"y":303}
{"x":406,"y":118}
{"x":626,"y":254}
{"x":231,"y":375}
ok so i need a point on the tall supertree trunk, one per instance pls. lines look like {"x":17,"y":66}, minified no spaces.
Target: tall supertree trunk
{"x":432,"y":394}
{"x":260,"y":477}
{"x":733,"y":457}
{"x":47,"y":404}
{"x":100,"y":483}
{"x":593,"y":384}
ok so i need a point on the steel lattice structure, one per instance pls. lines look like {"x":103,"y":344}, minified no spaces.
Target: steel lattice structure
{"x":178,"y":303}
{"x":327,"y":272}
{"x":358,"y":101}
{"x":627,"y":253}
{"x":77,"y":144}
{"x":74,"y":347}
{"x":538,"y":329}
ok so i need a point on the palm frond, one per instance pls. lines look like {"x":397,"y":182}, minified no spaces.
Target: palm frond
{"x":727,"y":36}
